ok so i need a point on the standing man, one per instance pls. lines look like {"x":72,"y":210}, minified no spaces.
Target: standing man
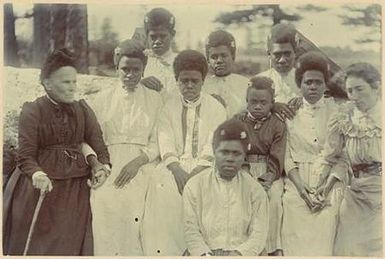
{"x":281,"y":45}
{"x":226,"y":86}
{"x":225,"y":210}
{"x":159,"y":26}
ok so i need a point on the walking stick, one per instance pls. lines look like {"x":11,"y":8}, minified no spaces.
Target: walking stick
{"x":34,"y":218}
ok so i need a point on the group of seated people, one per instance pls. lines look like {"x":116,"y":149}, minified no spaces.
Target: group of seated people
{"x":171,"y":161}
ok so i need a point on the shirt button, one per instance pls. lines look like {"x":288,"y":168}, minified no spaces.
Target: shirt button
{"x":315,"y":140}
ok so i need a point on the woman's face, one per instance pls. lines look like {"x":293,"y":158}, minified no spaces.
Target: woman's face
{"x":221,"y":60}
{"x":313,"y":86}
{"x":61,"y":84}
{"x":130,"y":72}
{"x":190,"y":84}
{"x":159,"y":40}
{"x":361,"y":93}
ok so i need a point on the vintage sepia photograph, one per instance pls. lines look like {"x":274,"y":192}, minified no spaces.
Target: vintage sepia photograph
{"x":192,"y":129}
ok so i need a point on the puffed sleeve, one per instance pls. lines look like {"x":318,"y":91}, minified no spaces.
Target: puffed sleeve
{"x":152,"y":148}
{"x":167,"y":146}
{"x":334,"y":153}
{"x":29,"y":138}
{"x":206,"y":157}
{"x":93,"y":134}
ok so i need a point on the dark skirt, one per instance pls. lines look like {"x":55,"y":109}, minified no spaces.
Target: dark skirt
{"x":63,"y":225}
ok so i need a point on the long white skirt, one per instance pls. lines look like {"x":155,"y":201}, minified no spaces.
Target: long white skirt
{"x":305,"y":233}
{"x":118,"y":213}
{"x":162,"y":232}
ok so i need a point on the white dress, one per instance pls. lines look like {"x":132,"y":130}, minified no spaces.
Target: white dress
{"x":232,"y":88}
{"x":161,"y":67}
{"x":305,"y":233}
{"x":128,"y":121}
{"x":184,"y":135}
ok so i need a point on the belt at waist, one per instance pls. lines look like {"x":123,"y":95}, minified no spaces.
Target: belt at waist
{"x":359,"y":170}
{"x":70,"y":150}
{"x":256,"y":158}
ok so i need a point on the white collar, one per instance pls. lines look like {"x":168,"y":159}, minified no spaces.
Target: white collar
{"x":52,"y":100}
{"x":190,"y":104}
{"x":314,"y":106}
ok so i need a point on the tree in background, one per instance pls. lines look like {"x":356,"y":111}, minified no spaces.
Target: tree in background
{"x":102,"y":49}
{"x":364,"y":16}
{"x":57,"y":26}
{"x":270,"y":10}
{"x":10,"y":44}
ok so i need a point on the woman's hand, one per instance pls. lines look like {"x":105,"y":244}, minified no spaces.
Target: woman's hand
{"x":41,"y":181}
{"x":283,"y":110}
{"x":305,"y":193}
{"x":128,"y":172}
{"x":295,"y":103}
{"x":99,"y":175}
{"x":153,"y":83}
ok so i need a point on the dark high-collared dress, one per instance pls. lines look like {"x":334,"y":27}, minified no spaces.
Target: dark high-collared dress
{"x":49,"y":141}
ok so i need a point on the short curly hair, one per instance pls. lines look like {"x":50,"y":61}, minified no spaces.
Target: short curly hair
{"x":221,"y":38}
{"x":190,"y":60}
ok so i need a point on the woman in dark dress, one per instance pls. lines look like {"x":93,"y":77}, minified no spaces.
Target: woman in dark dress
{"x":51,"y":129}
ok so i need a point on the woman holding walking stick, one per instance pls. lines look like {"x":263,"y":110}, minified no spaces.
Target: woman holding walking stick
{"x":51,"y":166}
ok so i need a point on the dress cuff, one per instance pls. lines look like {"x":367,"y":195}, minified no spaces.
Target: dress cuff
{"x":170,"y":159}
{"x":87,"y":151}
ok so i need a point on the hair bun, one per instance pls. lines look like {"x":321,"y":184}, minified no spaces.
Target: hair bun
{"x":56,"y":59}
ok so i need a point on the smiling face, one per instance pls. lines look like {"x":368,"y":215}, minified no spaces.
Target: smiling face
{"x":259,"y":102}
{"x":361,"y":93}
{"x":61,"y":84}
{"x":190,"y":84}
{"x":221,"y":60}
{"x":282,"y":57}
{"x":229,"y":157}
{"x":159,"y":40}
{"x":130,"y":71}
{"x":313,"y":86}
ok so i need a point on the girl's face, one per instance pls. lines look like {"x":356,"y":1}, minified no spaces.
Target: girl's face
{"x":130,"y":72}
{"x":159,"y":40}
{"x":361,"y":93}
{"x":313,"y":85}
{"x":190,"y":84}
{"x":61,"y":84}
{"x":220,"y":60}
{"x":259,"y":102}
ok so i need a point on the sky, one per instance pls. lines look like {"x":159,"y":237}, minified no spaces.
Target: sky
{"x":194,"y":22}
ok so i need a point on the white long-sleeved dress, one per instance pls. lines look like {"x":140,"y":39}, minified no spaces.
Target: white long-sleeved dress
{"x":184,"y":135}
{"x":128,"y":121}
{"x":305,"y":233}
